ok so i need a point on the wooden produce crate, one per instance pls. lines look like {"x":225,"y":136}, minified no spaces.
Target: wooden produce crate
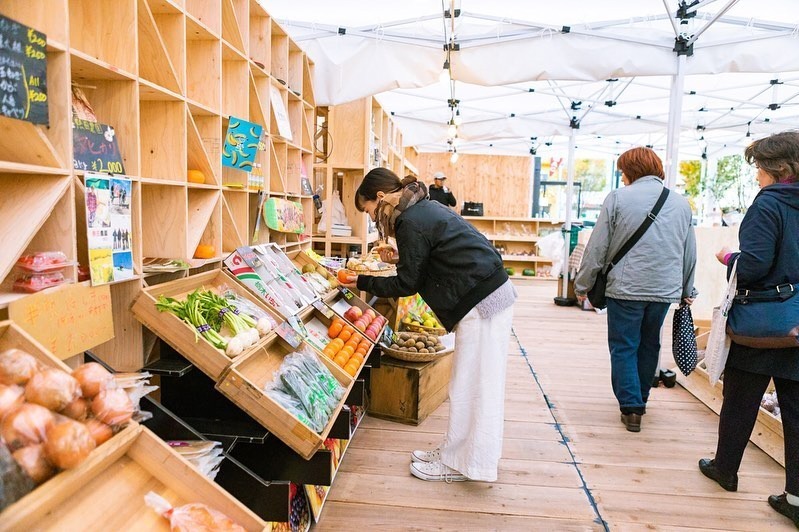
{"x":408,"y":392}
{"x":244,"y":382}
{"x":179,"y":334}
{"x":768,"y":432}
{"x":317,"y":322}
{"x":106,"y":492}
{"x":346,"y":299}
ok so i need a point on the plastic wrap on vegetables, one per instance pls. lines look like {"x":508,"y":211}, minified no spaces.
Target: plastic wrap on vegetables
{"x":191,"y":517}
{"x":293,"y":406}
{"x":312,"y":397}
{"x":264,"y":322}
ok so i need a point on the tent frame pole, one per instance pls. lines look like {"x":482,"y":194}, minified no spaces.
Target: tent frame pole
{"x":567,"y":226}
{"x":675,"y":122}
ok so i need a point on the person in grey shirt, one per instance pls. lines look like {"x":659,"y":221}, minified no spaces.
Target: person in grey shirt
{"x":657,"y":271}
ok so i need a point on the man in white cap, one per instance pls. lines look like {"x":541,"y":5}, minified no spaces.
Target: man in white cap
{"x":439,"y":192}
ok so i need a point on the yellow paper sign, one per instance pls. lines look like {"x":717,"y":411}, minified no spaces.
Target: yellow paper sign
{"x":67,"y":320}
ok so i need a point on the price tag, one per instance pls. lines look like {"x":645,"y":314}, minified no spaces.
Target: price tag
{"x":324,"y":309}
{"x":388,"y":337}
{"x":346,"y":293}
{"x":298,"y":326}
{"x":287,"y":332}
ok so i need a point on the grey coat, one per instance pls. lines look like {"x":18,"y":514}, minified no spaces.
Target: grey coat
{"x":660,"y":267}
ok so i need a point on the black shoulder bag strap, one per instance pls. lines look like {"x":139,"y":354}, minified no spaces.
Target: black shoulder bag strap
{"x":650,"y":217}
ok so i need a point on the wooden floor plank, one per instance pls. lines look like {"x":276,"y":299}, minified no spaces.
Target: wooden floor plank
{"x":366,"y":516}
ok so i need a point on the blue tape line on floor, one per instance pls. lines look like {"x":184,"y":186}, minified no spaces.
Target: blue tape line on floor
{"x":563,"y":439}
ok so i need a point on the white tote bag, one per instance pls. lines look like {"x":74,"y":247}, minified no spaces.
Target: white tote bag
{"x":718,"y":343}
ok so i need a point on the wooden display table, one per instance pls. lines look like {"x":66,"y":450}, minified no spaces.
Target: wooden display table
{"x":407,"y":392}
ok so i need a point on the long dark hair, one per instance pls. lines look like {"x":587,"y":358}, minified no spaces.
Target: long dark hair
{"x":777,"y":154}
{"x":379,"y":180}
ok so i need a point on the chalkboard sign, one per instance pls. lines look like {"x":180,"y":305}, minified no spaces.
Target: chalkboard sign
{"x":23,"y":72}
{"x":95,"y":148}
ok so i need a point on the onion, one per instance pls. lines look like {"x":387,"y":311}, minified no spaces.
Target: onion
{"x":113,"y":407}
{"x":33,"y":461}
{"x":26,"y":425}
{"x":92,"y":378}
{"x":68,"y":444}
{"x":52,"y":388}
{"x":100,"y":432}
{"x":77,"y":409}
{"x":17,"y":366}
{"x":11,"y":396}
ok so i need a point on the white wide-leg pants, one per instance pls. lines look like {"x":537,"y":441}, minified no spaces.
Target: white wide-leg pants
{"x":473,"y":443}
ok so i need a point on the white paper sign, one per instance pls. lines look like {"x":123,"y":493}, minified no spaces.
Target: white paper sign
{"x":281,"y":115}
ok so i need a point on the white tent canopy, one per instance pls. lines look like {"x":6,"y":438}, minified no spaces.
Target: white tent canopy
{"x":520,"y":66}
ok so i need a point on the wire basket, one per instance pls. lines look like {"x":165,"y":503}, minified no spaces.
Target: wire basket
{"x":409,"y":356}
{"x":333,"y":264}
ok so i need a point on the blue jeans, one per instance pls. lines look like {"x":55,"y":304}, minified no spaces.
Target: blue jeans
{"x":634,"y":341}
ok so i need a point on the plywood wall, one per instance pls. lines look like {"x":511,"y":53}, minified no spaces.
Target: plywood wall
{"x":501,"y":183}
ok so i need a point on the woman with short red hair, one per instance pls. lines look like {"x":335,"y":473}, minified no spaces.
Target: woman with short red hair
{"x":656,"y":272}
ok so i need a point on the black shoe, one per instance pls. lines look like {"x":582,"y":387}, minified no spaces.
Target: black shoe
{"x":708,"y":468}
{"x":632,"y":422}
{"x":781,"y":504}
{"x":668,"y":377}
{"x":656,"y":381}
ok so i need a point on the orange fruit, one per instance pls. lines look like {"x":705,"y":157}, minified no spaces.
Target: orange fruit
{"x":344,"y":334}
{"x":362,"y":350}
{"x":351,"y":368}
{"x":357,"y":356}
{"x":341,"y":360}
{"x":348,"y":350}
{"x":335,"y":330}
{"x":329,"y":353}
{"x":337,"y":344}
{"x":345,"y":277}
{"x":348,"y":327}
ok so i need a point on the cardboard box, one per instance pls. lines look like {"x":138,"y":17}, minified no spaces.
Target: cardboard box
{"x":408,"y":392}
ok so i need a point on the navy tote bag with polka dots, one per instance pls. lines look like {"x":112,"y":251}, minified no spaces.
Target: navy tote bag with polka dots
{"x":684,"y":340}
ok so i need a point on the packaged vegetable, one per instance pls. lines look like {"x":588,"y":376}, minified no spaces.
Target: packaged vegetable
{"x":33,"y":460}
{"x":52,"y":388}
{"x":43,"y":261}
{"x":27,"y":425}
{"x":30,"y":283}
{"x":17,"y":366}
{"x":113,"y":407}
{"x":68,"y":443}
{"x":191,"y":517}
{"x":11,"y":397}
{"x":92,"y":378}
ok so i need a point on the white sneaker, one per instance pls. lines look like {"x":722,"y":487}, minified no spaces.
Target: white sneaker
{"x":427,"y":456}
{"x":436,"y":472}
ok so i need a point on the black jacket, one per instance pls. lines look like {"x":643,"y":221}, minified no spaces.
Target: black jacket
{"x":769,"y":256}
{"x":442,"y":195}
{"x":444,"y":259}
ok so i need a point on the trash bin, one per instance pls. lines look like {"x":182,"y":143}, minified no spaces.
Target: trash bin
{"x":574,"y":236}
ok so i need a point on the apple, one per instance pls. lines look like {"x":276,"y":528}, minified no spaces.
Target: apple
{"x":360,"y":325}
{"x":353,"y":313}
{"x":371,"y":313}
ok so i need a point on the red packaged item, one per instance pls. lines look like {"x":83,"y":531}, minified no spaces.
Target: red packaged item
{"x":36,"y":282}
{"x":43,"y":261}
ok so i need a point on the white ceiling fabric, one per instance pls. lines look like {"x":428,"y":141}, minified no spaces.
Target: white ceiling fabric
{"x":516,"y":59}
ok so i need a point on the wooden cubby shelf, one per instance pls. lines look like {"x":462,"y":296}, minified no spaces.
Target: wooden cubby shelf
{"x":166,"y":75}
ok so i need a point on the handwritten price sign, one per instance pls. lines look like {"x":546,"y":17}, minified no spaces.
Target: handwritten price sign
{"x":67,"y":320}
{"x":23,"y":72}
{"x":95,"y":148}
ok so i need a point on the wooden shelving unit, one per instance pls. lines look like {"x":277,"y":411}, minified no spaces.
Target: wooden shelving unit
{"x":168,"y":75}
{"x":516,"y":239}
{"x":363,"y":136}
{"x":168,"y":79}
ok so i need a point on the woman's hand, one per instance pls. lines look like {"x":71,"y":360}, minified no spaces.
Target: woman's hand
{"x":688,"y":300}
{"x":388,"y":254}
{"x":351,"y":283}
{"x":723,"y":252}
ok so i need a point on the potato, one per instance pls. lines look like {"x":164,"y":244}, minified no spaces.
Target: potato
{"x":423,"y":350}
{"x":394,"y":346}
{"x":420,"y":345}
{"x":412,"y":349}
